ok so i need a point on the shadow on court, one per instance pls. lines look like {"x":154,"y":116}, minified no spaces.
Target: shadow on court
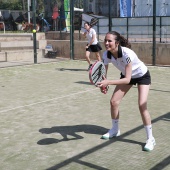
{"x":64,"y":131}
{"x":70,"y":69}
{"x":159,"y":90}
{"x":164,"y":91}
{"x":121,"y":138}
{"x":83,"y":82}
{"x":53,"y":118}
{"x":163,"y":164}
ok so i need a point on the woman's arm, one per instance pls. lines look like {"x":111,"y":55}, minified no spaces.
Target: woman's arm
{"x":84,"y":34}
{"x":106,"y":67}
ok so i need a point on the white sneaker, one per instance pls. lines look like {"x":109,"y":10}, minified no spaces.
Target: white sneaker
{"x":110,"y":134}
{"x":150,"y":143}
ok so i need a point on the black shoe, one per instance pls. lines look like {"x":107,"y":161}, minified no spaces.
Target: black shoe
{"x":89,"y":67}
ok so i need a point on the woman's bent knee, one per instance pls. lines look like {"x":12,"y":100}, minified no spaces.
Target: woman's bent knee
{"x":114,"y":103}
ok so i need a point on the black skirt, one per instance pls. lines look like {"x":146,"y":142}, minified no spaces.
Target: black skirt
{"x":145,"y":79}
{"x":94,"y":48}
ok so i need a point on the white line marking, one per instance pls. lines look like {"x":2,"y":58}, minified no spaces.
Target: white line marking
{"x":32,"y":104}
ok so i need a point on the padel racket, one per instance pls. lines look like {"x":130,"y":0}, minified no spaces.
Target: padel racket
{"x":94,"y":21}
{"x":96,"y":73}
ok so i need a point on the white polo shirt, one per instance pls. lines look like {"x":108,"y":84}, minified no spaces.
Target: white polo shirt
{"x":125,"y":56}
{"x":90,"y":34}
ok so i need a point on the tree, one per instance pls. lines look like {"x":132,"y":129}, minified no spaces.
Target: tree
{"x":11,"y":4}
{"x":78,"y":3}
{"x":23,"y":5}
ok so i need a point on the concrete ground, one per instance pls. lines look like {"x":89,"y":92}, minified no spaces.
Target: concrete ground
{"x":51,"y":118}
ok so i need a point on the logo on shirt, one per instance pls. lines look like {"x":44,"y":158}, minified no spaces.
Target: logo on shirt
{"x":128,"y":60}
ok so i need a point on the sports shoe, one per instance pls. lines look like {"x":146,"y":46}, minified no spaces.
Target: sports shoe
{"x":89,"y":67}
{"x":150,"y":143}
{"x":110,"y":135}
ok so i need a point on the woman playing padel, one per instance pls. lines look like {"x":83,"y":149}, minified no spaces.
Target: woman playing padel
{"x":133,"y":72}
{"x":93,"y":45}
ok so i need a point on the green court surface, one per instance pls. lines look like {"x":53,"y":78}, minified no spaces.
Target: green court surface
{"x":51,"y":117}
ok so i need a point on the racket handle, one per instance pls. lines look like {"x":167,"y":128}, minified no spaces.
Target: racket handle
{"x":105,"y":89}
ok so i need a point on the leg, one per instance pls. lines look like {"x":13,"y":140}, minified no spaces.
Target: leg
{"x":143,"y":91}
{"x":56,"y":24}
{"x":98,"y":56}
{"x":88,"y":57}
{"x":116,"y":98}
{"x":64,"y":25}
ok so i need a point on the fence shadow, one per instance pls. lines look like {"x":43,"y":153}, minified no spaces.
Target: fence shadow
{"x":77,"y":158}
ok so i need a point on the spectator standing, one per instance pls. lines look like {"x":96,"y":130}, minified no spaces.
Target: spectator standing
{"x":55,"y":16}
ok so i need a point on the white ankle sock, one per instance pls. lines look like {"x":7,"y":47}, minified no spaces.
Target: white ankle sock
{"x":148,"y":129}
{"x":115,"y":125}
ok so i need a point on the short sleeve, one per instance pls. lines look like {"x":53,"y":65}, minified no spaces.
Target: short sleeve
{"x":93,"y":32}
{"x":128,"y":56}
{"x":106,"y":60}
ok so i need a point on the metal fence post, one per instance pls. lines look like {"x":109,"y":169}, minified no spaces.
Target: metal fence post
{"x":127,"y":28}
{"x":34,"y":32}
{"x":154,"y":34}
{"x":72,"y":29}
{"x":110,"y":17}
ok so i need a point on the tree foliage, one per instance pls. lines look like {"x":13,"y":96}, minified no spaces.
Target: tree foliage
{"x":12,"y":5}
{"x":78,"y":3}
{"x":22,"y":4}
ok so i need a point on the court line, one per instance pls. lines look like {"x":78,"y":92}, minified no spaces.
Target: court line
{"x":32,"y":104}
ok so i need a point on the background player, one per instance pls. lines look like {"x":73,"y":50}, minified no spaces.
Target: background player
{"x":93,"y":45}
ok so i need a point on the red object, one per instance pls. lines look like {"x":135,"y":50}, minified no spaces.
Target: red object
{"x":55,"y":12}
{"x":1,"y":26}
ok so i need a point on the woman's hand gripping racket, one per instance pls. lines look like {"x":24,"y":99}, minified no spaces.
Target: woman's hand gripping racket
{"x":97,"y":73}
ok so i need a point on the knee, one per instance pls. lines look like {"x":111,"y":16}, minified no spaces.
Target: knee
{"x":142,"y":107}
{"x":114,"y":103}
